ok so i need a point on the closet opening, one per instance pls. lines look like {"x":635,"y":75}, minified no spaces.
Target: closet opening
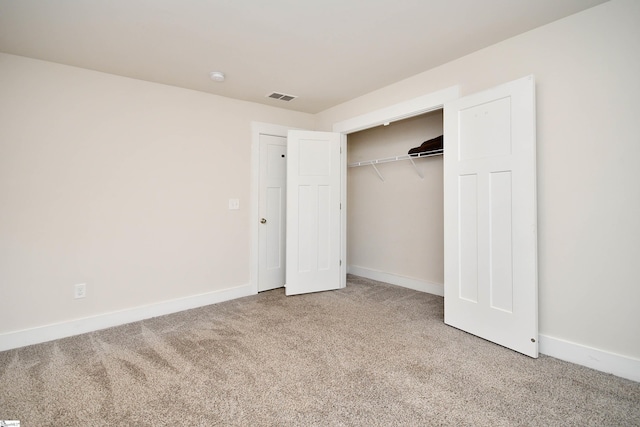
{"x":395,"y":223}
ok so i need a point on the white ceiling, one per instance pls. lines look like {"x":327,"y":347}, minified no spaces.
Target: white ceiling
{"x":324,"y":51}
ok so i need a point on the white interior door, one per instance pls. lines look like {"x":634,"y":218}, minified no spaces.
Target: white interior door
{"x":313,"y":212}
{"x":272,"y":197}
{"x":491,"y":287}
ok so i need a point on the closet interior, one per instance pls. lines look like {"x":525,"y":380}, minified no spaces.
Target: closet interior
{"x":395,"y":201}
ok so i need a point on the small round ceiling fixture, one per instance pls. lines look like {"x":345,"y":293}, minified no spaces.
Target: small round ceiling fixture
{"x":217,"y":76}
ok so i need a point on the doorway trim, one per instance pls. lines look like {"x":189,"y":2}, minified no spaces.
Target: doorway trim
{"x":403,"y":110}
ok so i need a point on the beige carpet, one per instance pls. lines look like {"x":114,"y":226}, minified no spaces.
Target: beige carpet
{"x":368,"y":355}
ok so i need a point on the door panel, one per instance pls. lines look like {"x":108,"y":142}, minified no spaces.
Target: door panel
{"x":490,"y":215}
{"x":501,"y":254}
{"x":313,"y":212}
{"x":272,"y":206}
{"x":468,"y":214}
{"x":274,"y":227}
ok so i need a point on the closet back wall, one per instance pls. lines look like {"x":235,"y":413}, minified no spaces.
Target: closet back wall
{"x":395,"y":226}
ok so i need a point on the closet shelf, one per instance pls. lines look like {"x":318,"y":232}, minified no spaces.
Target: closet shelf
{"x":396,"y":159}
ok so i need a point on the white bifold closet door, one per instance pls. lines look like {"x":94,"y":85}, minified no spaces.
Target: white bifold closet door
{"x":490,"y":216}
{"x":313,"y":212}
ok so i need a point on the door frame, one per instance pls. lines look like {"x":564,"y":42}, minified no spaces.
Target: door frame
{"x":403,"y":110}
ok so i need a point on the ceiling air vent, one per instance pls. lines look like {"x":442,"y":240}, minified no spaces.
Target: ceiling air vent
{"x":281,"y":96}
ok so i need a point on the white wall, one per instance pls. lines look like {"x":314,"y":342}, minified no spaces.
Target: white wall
{"x":123,"y":184}
{"x":403,"y":211}
{"x":120,"y":184}
{"x":586,"y":67}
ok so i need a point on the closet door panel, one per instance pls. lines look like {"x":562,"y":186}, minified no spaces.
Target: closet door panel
{"x":490,"y":216}
{"x":313,"y":212}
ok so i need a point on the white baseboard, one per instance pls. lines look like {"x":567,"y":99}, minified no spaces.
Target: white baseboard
{"x":621,"y":366}
{"x":394,"y":279}
{"x":56,"y":331}
{"x":611,"y":363}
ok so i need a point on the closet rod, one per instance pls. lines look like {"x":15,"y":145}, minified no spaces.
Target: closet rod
{"x":395,"y":159}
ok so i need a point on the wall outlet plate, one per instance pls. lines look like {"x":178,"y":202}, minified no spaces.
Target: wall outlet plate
{"x":234,"y":204}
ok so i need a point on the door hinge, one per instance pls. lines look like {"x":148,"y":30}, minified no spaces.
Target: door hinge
{"x":340,"y":205}
{"x":341,"y":263}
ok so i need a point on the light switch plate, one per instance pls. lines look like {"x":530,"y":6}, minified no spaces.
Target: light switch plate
{"x":234,"y":204}
{"x":80,"y":290}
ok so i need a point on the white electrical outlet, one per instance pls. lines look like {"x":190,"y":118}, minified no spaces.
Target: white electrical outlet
{"x":80,"y":290}
{"x":234,"y":204}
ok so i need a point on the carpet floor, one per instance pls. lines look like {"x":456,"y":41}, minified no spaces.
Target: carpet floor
{"x":370,"y":354}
